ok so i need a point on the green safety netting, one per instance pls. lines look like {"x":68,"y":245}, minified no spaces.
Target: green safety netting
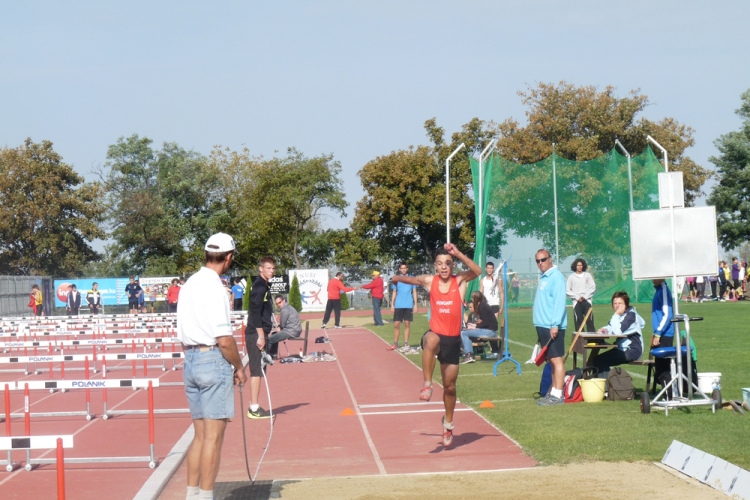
{"x":515,"y":208}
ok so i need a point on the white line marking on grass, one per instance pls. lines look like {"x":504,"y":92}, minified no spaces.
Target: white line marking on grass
{"x":439,"y":410}
{"x":370,"y":443}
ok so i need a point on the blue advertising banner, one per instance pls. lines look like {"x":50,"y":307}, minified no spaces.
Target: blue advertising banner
{"x":112,"y":290}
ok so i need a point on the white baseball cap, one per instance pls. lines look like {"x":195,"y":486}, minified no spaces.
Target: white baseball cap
{"x":220,"y":242}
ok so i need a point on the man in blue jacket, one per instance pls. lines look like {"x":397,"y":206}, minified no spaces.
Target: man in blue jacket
{"x":550,"y":320}
{"x":661,"y":321}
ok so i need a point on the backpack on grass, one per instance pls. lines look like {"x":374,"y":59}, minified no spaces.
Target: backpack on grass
{"x":571,"y":388}
{"x":546,"y":383}
{"x":620,"y":385}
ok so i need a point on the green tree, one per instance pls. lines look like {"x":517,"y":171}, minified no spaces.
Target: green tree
{"x":731,"y":195}
{"x":295,"y":297}
{"x":403,"y":209}
{"x":344,"y":302}
{"x":274,"y":207}
{"x":162,"y":205}
{"x":583,"y":123}
{"x":48,"y":214}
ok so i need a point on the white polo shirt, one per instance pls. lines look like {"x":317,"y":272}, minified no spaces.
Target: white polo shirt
{"x":203,"y":309}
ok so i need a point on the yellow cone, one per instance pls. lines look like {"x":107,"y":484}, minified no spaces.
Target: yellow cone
{"x":347,"y":411}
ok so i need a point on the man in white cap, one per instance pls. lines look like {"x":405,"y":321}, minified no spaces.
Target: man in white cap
{"x":376,"y":289}
{"x":212,"y":363}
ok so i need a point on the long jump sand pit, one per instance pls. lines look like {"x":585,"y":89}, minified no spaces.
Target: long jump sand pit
{"x":592,"y":480}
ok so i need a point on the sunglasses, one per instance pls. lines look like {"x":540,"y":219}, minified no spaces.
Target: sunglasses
{"x":539,"y":261}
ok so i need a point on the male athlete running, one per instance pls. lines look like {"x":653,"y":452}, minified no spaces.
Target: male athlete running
{"x":443,"y":339}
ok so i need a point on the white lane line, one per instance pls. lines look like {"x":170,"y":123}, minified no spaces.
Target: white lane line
{"x":370,"y":443}
{"x":386,"y":405}
{"x":439,"y":410}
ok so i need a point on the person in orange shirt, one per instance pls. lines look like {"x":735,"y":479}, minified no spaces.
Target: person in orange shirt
{"x":335,"y":289}
{"x":443,"y":339}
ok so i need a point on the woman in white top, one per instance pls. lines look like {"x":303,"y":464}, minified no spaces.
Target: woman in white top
{"x":580,"y":289}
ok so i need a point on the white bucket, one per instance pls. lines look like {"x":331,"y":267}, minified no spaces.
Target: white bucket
{"x":707,"y":382}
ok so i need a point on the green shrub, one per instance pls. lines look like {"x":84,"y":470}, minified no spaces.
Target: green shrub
{"x":344,"y":301}
{"x":295,"y":297}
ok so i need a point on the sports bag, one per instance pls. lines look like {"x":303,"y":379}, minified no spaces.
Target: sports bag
{"x":620,"y":385}
{"x":571,"y":387}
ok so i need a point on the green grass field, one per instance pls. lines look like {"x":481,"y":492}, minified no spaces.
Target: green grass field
{"x":611,"y":431}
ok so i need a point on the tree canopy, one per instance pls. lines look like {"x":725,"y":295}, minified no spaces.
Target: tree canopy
{"x":583,"y":123}
{"x":276,"y":206}
{"x":48,"y":215}
{"x":731,"y":195}
{"x":162,"y":205}
{"x":402,"y":215}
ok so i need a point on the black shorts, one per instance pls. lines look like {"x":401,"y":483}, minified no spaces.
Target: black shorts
{"x":253,"y":353}
{"x":403,"y":314}
{"x":133,"y":304}
{"x":450,"y":348}
{"x":556,"y":347}
{"x":495,"y":309}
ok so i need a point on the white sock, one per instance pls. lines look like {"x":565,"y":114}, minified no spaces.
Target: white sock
{"x":192,"y":491}
{"x":556,"y":392}
{"x":206,"y":494}
{"x":254,"y":407}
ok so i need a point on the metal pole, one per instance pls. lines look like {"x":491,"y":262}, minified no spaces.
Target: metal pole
{"x":675,"y":302}
{"x":664,"y":151}
{"x":480,"y":197}
{"x":554,"y":193}
{"x":448,"y":192}
{"x":630,"y":172}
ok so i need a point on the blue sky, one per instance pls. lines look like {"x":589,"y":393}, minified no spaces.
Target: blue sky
{"x":356,"y":79}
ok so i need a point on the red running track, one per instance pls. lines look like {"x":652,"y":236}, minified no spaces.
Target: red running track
{"x":391,"y":432}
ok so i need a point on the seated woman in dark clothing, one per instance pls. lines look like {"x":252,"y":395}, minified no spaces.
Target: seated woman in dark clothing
{"x":484,"y":325}
{"x":625,"y":321}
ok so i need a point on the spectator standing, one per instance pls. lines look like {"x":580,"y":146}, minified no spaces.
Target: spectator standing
{"x":403,"y":305}
{"x":290,"y":326}
{"x":133,"y":290}
{"x":714,"y":282}
{"x":723,"y":280}
{"x":515,"y":286}
{"x":335,"y":289}
{"x":173,"y":296}
{"x":376,"y":289}
{"x":661,"y":322}
{"x":550,"y":319}
{"x":94,"y":298}
{"x":580,"y":288}
{"x":141,"y":299}
{"x":238,"y":291}
{"x":259,"y":325}
{"x":74,"y":301}
{"x":37,"y":300}
{"x":700,"y":283}
{"x":493,"y":289}
{"x":212,"y":363}
{"x":736,"y":275}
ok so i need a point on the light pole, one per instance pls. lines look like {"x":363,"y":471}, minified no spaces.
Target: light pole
{"x":448,"y":192}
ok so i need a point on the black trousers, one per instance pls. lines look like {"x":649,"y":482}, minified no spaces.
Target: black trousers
{"x":335,"y":306}
{"x":580,"y":310}
{"x":661,"y":365}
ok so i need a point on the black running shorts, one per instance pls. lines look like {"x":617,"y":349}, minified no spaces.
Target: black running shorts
{"x":450,"y":348}
{"x":403,"y":314}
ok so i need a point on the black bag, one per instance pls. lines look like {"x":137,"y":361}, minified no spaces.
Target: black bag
{"x":620,"y":385}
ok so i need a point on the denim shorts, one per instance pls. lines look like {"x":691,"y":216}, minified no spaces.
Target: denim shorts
{"x":209,"y":384}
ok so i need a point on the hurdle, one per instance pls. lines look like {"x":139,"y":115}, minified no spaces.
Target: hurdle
{"x":151,"y":458}
{"x":53,"y":442}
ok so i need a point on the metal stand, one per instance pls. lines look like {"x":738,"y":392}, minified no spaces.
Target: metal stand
{"x":678,"y":399}
{"x":507,"y":356}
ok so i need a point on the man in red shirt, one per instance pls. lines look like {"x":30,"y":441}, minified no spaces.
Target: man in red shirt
{"x":335,"y":288}
{"x":443,"y":339}
{"x":376,"y":289}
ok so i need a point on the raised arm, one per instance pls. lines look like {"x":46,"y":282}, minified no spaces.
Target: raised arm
{"x":424,"y":280}
{"x":473,"y":270}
